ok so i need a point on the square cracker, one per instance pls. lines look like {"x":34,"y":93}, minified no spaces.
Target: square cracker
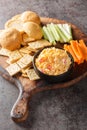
{"x":21,"y":64}
{"x":4,"y":52}
{"x":25,"y":75}
{"x":31,"y":49}
{"x":32,"y":74}
{"x":25,"y":61}
{"x":14,"y":56}
{"x":39,"y":44}
{"x":13,"y":69}
{"x":24,"y":70}
{"x":25,"y":50}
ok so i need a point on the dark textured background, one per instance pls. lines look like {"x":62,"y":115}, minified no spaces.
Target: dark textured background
{"x":62,"y":109}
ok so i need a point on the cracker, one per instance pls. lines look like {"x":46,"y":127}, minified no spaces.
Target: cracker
{"x":21,"y":64}
{"x":39,"y":44}
{"x":32,"y":74}
{"x":25,"y":75}
{"x":13,"y":69}
{"x":25,"y":61}
{"x":14,"y":56}
{"x":24,"y":70}
{"x":25,"y":50}
{"x":4,"y":52}
{"x":22,"y":54}
{"x":27,"y":39}
{"x":31,"y":49}
{"x":8,"y":61}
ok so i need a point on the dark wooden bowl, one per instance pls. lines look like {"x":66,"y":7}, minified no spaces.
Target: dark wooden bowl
{"x":54,"y":78}
{"x":27,"y":88}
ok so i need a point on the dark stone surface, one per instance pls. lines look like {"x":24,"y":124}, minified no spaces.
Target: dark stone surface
{"x":62,"y":109}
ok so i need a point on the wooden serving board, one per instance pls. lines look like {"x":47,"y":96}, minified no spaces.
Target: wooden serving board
{"x":27,"y":88}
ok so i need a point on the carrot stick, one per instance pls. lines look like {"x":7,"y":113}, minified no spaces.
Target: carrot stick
{"x":72,"y":53}
{"x":80,"y":52}
{"x":83,"y":48}
{"x":74,"y":46}
{"x":70,"y":50}
{"x":82,"y":43}
{"x":77,"y":50}
{"x":66,"y":47}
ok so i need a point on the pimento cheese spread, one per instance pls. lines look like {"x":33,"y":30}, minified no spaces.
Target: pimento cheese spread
{"x":53,"y":61}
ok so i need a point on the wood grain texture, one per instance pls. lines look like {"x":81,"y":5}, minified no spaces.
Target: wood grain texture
{"x":27,"y":88}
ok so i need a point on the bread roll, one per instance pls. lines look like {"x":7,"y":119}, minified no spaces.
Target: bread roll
{"x":10,"y":39}
{"x":14,"y":22}
{"x":18,"y":20}
{"x":29,"y":16}
{"x":33,"y":30}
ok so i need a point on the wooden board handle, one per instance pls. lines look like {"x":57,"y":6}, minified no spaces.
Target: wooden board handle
{"x":19,"y":111}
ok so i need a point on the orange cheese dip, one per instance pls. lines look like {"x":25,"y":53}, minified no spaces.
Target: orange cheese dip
{"x":53,"y":61}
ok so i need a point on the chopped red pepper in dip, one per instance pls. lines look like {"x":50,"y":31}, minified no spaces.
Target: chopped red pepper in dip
{"x":53,"y":61}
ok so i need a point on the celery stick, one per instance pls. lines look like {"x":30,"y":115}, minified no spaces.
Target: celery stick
{"x":61,"y":39}
{"x":68,"y":28}
{"x":51,"y":33}
{"x":64,"y":39}
{"x":44,"y":35}
{"x":67,"y":35}
{"x":54,"y":32}
{"x":62,"y":34}
{"x":45,"y":29}
{"x":47,"y":34}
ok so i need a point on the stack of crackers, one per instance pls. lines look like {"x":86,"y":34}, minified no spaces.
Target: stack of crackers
{"x":21,"y":59}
